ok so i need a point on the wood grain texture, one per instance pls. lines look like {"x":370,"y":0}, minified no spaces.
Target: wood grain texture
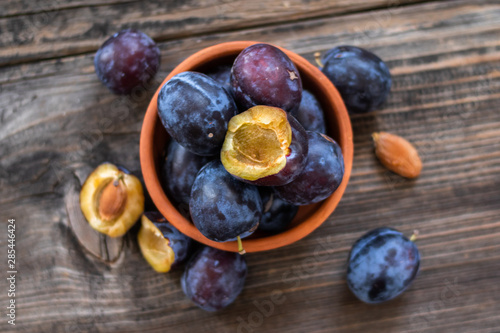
{"x":58,"y":28}
{"x":58,"y":122}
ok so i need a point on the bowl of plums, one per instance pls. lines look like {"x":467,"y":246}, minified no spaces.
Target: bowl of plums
{"x":246,"y":147}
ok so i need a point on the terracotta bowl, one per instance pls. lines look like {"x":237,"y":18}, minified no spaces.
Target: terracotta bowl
{"x":154,"y":141}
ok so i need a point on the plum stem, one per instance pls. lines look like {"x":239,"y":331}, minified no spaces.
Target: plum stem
{"x":414,"y":236}
{"x":117,"y":180}
{"x":241,"y":250}
{"x":317,"y":58}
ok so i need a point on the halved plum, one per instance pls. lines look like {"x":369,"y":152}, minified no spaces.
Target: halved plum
{"x":111,"y":200}
{"x":161,"y":244}
{"x":265,"y":146}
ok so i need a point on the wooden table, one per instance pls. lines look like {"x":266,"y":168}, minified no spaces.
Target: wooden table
{"x":58,"y":122}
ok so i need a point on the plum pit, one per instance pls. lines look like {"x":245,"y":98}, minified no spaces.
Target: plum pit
{"x":111,"y":200}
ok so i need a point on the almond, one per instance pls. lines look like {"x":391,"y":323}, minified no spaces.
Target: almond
{"x":397,"y":154}
{"x":112,"y":200}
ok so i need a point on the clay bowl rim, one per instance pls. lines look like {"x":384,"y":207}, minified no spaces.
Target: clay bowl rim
{"x":295,"y":233}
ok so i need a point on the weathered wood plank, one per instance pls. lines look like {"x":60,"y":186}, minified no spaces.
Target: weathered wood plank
{"x":20,"y":7}
{"x":58,"y":121}
{"x":70,"y":27}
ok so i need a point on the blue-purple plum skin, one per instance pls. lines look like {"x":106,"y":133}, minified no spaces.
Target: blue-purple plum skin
{"x":362,"y":78}
{"x":127,"y":61}
{"x":382,"y":264}
{"x":213,"y":279}
{"x":262,"y":74}
{"x":310,"y":113}
{"x":179,"y":172}
{"x":278,"y":214}
{"x":320,"y":177}
{"x":195,"y":111}
{"x":222,"y":207}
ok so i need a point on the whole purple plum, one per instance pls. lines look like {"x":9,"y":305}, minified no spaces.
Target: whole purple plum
{"x":179,"y":172}
{"x":195,"y":110}
{"x":222,"y":207}
{"x":381,"y":265}
{"x":362,"y":78}
{"x":222,"y":74}
{"x":262,"y":74}
{"x":127,"y":60}
{"x":321,"y":176}
{"x":310,"y":114}
{"x":213,"y":279}
{"x":278,"y":214}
